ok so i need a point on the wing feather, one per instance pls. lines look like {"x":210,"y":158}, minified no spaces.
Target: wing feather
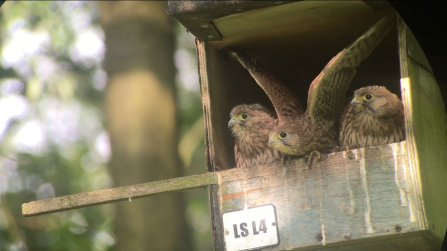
{"x":287,"y":105}
{"x":327,"y":91}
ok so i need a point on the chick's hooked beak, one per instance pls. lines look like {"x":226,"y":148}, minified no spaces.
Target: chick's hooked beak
{"x":272,"y":141}
{"x":356,"y":101}
{"x":232,"y":122}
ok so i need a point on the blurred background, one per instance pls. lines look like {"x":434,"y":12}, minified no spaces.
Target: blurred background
{"x":95,"y":95}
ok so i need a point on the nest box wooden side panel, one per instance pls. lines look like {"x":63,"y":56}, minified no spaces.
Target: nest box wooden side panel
{"x":215,"y":99}
{"x":426,"y":129}
{"x":384,"y":193}
{"x":342,"y":198}
{"x":224,"y":83}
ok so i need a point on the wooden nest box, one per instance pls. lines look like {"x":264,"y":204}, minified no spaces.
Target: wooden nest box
{"x":388,"y":197}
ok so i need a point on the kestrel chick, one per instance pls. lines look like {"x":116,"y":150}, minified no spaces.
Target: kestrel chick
{"x":375,"y":116}
{"x":315,"y":130}
{"x":251,"y":125}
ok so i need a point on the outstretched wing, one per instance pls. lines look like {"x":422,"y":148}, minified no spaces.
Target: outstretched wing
{"x":327,"y":91}
{"x":285,"y":102}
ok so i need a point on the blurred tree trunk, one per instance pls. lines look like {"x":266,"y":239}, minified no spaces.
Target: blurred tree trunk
{"x":142,"y":122}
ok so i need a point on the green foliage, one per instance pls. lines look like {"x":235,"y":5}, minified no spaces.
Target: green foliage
{"x":188,"y":88}
{"x":57,"y":140}
{"x":52,"y":138}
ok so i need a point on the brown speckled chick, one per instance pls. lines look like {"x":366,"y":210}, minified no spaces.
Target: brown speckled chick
{"x":374,"y":117}
{"x":251,"y":125}
{"x":315,"y":130}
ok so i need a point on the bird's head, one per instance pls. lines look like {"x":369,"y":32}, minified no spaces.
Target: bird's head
{"x":245,"y":118}
{"x":376,"y":100}
{"x":284,"y":139}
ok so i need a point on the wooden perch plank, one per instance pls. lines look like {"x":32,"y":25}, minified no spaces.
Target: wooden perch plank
{"x":111,"y":195}
{"x":117,"y":194}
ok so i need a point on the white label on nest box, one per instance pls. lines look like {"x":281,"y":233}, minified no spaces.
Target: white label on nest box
{"x":251,"y":228}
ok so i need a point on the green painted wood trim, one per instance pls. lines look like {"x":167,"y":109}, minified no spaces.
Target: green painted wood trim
{"x":426,"y":128}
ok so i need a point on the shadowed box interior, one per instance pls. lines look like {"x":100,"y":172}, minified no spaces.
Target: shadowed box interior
{"x":294,"y":42}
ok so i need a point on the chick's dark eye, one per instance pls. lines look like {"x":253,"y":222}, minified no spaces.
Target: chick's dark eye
{"x":282,"y":135}
{"x":244,"y":116}
{"x":367,"y":96}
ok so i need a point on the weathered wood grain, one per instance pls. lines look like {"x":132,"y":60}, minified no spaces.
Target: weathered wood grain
{"x":206,"y":103}
{"x":216,"y":220}
{"x":426,"y":130}
{"x":117,"y":194}
{"x":341,"y":198}
{"x":292,"y":22}
{"x":420,"y":240}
